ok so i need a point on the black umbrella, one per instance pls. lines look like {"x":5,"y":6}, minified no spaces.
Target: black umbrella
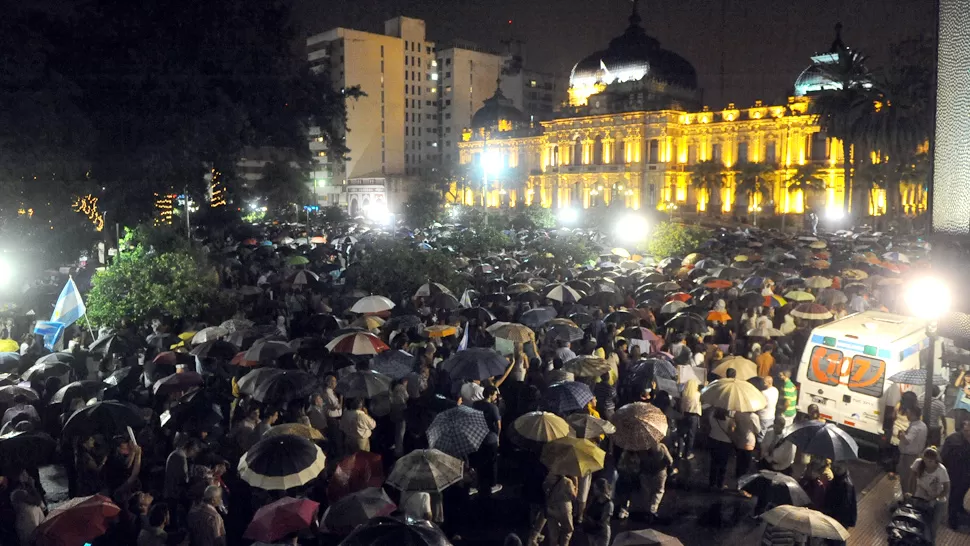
{"x":602,"y":299}
{"x":404,"y":322}
{"x":394,"y":364}
{"x":564,"y":332}
{"x":687,"y":323}
{"x":565,"y":397}
{"x":113,"y":344}
{"x":27,"y":449}
{"x":321,"y":323}
{"x":480,"y":314}
{"x":774,"y":488}
{"x":535,"y":318}
{"x":824,"y":440}
{"x":79,"y":389}
{"x":107,"y":417}
{"x":281,"y":462}
{"x":125,"y":378}
{"x":622,"y":317}
{"x":9,"y":362}
{"x":751,"y":299}
{"x":267,"y":351}
{"x":40,"y":372}
{"x":475,"y":363}
{"x":388,"y":531}
{"x":216,"y":348}
{"x":363,"y":384}
{"x":287,"y":385}
{"x":495,"y":298}
{"x":443,"y":300}
{"x":162,"y":342}
{"x":581,"y":319}
{"x":244,"y":339}
{"x":66,"y":358}
{"x":195,"y":411}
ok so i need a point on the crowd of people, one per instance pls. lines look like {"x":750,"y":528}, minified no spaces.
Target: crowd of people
{"x":320,"y":411}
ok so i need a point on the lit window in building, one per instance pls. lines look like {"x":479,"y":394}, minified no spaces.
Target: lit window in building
{"x":434,"y":76}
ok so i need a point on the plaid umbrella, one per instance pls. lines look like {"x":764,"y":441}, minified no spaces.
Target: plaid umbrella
{"x":475,"y":363}
{"x":394,"y":364}
{"x":565,"y":397}
{"x":343,"y":516}
{"x":916,"y":377}
{"x":811,"y":311}
{"x":354,"y":473}
{"x":572,"y":457}
{"x":276,"y":520}
{"x":425,"y":470}
{"x":639,"y":426}
{"x":458,"y":431}
{"x":357,"y":343}
{"x":363,"y":384}
{"x":587,"y":366}
{"x":823,"y":439}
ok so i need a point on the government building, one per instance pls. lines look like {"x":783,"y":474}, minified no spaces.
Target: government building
{"x":634,"y":132}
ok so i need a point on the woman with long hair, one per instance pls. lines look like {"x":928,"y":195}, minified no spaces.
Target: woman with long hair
{"x":930,"y":481}
{"x":690,"y":407}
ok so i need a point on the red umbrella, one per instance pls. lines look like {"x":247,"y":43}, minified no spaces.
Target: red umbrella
{"x":679,"y":296}
{"x":355,"y":473}
{"x":281,"y":518}
{"x":76,"y":522}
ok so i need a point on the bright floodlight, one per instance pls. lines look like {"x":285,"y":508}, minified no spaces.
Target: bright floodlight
{"x":377,"y":212}
{"x":492,"y":161}
{"x":568,"y":216}
{"x":835,"y":213}
{"x":928,"y":297}
{"x":632,"y":228}
{"x":6,"y":272}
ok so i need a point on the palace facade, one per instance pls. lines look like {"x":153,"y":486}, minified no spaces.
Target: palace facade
{"x":634,"y":132}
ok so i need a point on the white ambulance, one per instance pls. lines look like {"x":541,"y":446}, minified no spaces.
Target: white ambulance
{"x":846,"y":364}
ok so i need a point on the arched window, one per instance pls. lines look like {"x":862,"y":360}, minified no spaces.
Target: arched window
{"x":598,"y":150}
{"x":618,"y":147}
{"x":577,"y":155}
{"x":353,"y":208}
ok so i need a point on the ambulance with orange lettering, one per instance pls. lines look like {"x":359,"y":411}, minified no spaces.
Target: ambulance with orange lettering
{"x":846,"y":364}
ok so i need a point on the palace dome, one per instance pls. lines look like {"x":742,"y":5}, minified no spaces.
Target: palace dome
{"x":499,"y":113}
{"x":633,"y":56}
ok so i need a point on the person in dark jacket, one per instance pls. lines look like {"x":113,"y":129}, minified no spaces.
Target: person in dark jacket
{"x":840,"y":498}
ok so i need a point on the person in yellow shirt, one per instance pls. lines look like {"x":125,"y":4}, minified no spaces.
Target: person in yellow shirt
{"x":765,"y":361}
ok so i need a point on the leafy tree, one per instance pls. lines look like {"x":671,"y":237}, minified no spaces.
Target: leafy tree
{"x":841,"y":112}
{"x":753,"y":183}
{"x":394,"y":268}
{"x":673,"y":239}
{"x":282,"y":185}
{"x":477,"y":241}
{"x":534,"y":216}
{"x":333,"y":215}
{"x":562,"y":251}
{"x":808,"y":180}
{"x":708,"y":176}
{"x":423,"y":207}
{"x":145,"y":283}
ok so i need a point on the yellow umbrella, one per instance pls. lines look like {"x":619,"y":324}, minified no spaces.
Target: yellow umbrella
{"x":572,"y":457}
{"x":621,"y":252}
{"x":587,"y":366}
{"x":740,"y":258}
{"x":734,"y":395}
{"x":817,"y":245}
{"x":369,"y":322}
{"x":295,"y":429}
{"x":187,"y":336}
{"x":745,"y":368}
{"x":511,"y":331}
{"x":440,"y":330}
{"x":691,"y":259}
{"x":855,"y":274}
{"x":541,"y":426}
{"x":800,"y":296}
{"x":9,"y":346}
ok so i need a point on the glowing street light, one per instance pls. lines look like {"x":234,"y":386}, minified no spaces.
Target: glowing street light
{"x":568,"y":216}
{"x":632,"y":228}
{"x":929,"y":298}
{"x":492,"y":162}
{"x":6,"y":272}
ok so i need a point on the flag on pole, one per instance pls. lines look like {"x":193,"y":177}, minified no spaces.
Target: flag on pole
{"x":51,"y":330}
{"x":464,"y":339}
{"x":69,"y":307}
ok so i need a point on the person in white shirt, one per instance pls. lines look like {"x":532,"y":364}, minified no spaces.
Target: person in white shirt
{"x":912,"y":442}
{"x":564,"y":353}
{"x":930,"y":481}
{"x":777,"y":454}
{"x":472,"y":391}
{"x":767,"y":415}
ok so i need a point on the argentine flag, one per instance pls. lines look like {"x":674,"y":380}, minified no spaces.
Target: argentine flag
{"x":69,"y":307}
{"x":51,"y":331}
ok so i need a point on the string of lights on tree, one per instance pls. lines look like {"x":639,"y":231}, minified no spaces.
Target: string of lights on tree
{"x":164,"y":204}
{"x":217,"y":190}
{"x":88,"y":206}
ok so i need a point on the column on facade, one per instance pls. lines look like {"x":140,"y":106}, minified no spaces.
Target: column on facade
{"x":609,"y":145}
{"x":588,"y":151}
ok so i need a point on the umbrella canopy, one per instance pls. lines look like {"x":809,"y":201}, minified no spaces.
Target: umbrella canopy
{"x":916,"y":377}
{"x":806,"y":521}
{"x":282,"y":387}
{"x":687,"y":323}
{"x":381,"y":531}
{"x":265,"y":351}
{"x":40,"y":372}
{"x":394,"y":364}
{"x":565,"y":397}
{"x":355,"y":472}
{"x":572,"y":457}
{"x":475,"y":363}
{"x":216,"y":348}
{"x":209,"y":334}
{"x":281,"y":518}
{"x":9,"y":345}
{"x":818,"y":282}
{"x":534,"y":318}
{"x":744,"y":367}
{"x":823,"y":439}
{"x":567,"y":332}
{"x":440,"y":330}
{"x":177,"y":382}
{"x":719,"y":316}
{"x":587,"y":426}
{"x":9,"y":362}
{"x":541,"y":426}
{"x":247,"y":384}
{"x":357,"y":343}
{"x":425,"y":470}
{"x":511,"y":331}
{"x":343,"y":516}
{"x":562,"y":293}
{"x":645,"y":537}
{"x":587,"y":366}
{"x":458,"y":431}
{"x":368,"y":322}
{"x":296,"y":429}
{"x":363,"y":384}
{"x":85,"y":390}
{"x":76,"y":522}
{"x":639,"y":426}
{"x":734,"y":395}
{"x":27,"y":449}
{"x":283,"y":462}
{"x":811,"y":311}
{"x":800,"y":296}
{"x":372,"y":304}
{"x":430,"y":289}
{"x":9,"y":392}
{"x":774,"y":488}
{"x":304,"y":278}
{"x":106,"y":417}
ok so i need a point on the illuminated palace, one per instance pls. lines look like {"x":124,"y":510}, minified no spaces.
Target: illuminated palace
{"x":634,"y":130}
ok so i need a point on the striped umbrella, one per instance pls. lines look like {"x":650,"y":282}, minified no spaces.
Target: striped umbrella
{"x":425,"y":470}
{"x":304,"y":278}
{"x":639,"y":426}
{"x":278,"y":463}
{"x":775,"y":301}
{"x":357,"y":343}
{"x":458,"y":431}
{"x":811,"y":311}
{"x":562,"y":293}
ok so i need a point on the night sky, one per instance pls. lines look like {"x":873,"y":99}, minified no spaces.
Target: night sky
{"x":767,"y":42}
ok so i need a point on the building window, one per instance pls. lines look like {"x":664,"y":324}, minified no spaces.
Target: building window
{"x":742,"y":152}
{"x":448,"y":116}
{"x":448,"y":143}
{"x":447,"y":62}
{"x":771,"y":156}
{"x":447,"y":102}
{"x":816,"y":151}
{"x":691,"y":154}
{"x":653,"y":153}
{"x":447,"y":74}
{"x":405,"y":74}
{"x":716,"y":152}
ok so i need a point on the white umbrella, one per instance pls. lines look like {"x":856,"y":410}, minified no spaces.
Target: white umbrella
{"x":372,"y":304}
{"x":806,"y":521}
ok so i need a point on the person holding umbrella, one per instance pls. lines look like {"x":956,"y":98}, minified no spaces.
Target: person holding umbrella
{"x":357,"y":427}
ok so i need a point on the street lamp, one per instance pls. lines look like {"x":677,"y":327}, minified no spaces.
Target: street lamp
{"x":670,"y":207}
{"x":755,"y":209}
{"x":929,"y":298}
{"x":491,"y":163}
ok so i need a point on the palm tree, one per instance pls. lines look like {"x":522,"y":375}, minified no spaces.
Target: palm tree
{"x":753,"y":182}
{"x":808,"y":180}
{"x":841,"y":112}
{"x":708,"y":177}
{"x":873,"y":177}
